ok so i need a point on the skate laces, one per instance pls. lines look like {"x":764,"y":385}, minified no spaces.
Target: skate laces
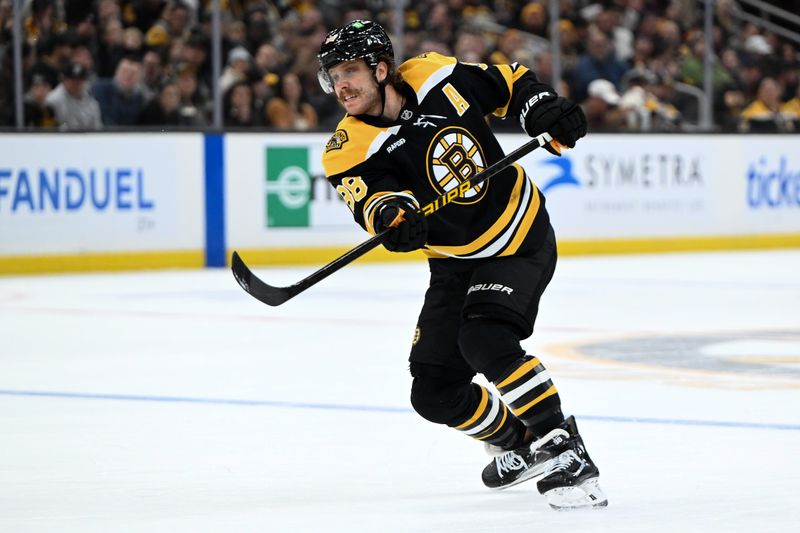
{"x":565,"y":460}
{"x":508,"y":462}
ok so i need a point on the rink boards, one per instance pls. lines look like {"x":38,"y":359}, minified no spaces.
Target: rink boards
{"x":156,"y":200}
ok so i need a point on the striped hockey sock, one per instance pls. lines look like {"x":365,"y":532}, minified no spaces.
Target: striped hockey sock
{"x":492,"y":422}
{"x":527,"y":389}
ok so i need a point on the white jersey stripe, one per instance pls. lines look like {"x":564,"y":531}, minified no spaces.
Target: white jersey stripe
{"x":519,"y":392}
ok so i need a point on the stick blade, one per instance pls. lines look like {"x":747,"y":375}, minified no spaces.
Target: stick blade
{"x":256,"y":288}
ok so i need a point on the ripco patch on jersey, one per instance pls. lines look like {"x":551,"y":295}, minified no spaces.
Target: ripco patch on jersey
{"x":439,"y":140}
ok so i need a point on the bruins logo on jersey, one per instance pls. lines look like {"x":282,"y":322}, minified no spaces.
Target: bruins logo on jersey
{"x":453,"y":157}
{"x":336,"y":141}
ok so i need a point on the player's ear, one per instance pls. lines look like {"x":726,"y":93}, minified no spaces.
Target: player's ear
{"x":381,"y":71}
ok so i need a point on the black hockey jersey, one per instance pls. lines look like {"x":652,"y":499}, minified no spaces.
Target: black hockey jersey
{"x":440,"y":138}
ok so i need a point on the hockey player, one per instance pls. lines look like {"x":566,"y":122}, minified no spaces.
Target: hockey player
{"x":410,"y":134}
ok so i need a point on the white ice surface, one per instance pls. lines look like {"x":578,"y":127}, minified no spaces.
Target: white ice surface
{"x":174,"y":402}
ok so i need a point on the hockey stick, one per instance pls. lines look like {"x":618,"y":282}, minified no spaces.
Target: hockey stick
{"x":275,"y":296}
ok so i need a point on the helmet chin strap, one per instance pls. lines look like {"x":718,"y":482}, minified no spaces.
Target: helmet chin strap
{"x":381,"y":89}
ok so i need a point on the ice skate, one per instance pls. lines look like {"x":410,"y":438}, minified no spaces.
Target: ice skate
{"x":511,"y":468}
{"x":570,"y":480}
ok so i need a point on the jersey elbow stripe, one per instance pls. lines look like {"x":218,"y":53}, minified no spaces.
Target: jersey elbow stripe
{"x":375,"y":201}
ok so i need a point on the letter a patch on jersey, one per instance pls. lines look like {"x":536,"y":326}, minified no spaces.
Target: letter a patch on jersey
{"x":456,"y":99}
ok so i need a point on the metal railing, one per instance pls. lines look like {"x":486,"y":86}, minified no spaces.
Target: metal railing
{"x":767,"y":11}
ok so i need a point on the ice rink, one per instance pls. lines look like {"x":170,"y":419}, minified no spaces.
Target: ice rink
{"x":174,"y":402}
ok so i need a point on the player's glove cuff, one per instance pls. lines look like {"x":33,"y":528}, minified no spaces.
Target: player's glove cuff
{"x":410,"y":234}
{"x":561,"y":118}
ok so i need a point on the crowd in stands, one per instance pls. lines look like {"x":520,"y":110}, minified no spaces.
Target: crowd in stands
{"x":634,"y":65}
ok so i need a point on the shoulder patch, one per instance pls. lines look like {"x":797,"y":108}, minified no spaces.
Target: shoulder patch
{"x":336,"y":141}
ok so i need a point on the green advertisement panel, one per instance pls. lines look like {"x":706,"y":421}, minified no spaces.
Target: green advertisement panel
{"x":288,"y":187}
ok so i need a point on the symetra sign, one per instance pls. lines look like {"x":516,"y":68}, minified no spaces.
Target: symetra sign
{"x":53,"y":190}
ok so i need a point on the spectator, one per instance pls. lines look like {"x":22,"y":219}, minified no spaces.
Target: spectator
{"x":599,"y":62}
{"x":174,"y":23}
{"x":509,"y":42}
{"x":74,"y":107}
{"x":163,"y":110}
{"x":608,"y":21}
{"x":601,"y":107}
{"x":53,"y":57}
{"x":195,"y":102}
{"x":238,"y":106}
{"x":470,"y":47}
{"x":111,"y":48}
{"x":269,"y":59}
{"x":39,"y":114}
{"x":692,"y":69}
{"x":120,"y":98}
{"x":132,"y":41}
{"x":645,"y":111}
{"x":791,"y":111}
{"x":763,"y":115}
{"x":441,"y":22}
{"x":237,"y":68}
{"x":152,"y":74}
{"x":533,"y":19}
{"x":289,"y":108}
{"x":195,"y":52}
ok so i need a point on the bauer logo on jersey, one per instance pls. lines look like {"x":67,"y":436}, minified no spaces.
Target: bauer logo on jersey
{"x":454,"y":156}
{"x":336,"y":141}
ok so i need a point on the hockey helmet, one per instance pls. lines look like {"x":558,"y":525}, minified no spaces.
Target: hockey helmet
{"x":359,"y":39}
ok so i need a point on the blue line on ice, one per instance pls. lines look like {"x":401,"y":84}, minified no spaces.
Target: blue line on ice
{"x":371,"y":408}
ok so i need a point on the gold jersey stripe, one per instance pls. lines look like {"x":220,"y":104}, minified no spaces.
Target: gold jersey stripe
{"x":479,"y":411}
{"x":546,"y":394}
{"x":496,"y":229}
{"x":523,"y":369}
{"x":374,"y":202}
{"x":525,"y":225}
{"x":369,"y":206}
{"x":510,"y":76}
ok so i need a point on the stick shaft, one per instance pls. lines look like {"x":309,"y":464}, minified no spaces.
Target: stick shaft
{"x":277,"y":295}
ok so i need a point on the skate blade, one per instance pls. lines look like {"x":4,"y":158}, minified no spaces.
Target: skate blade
{"x":586,"y":495}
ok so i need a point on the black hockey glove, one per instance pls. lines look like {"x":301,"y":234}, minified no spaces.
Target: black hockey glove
{"x":561,"y":118}
{"x":407,"y":236}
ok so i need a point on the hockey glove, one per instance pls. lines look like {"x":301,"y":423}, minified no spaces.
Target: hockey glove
{"x":561,"y":118}
{"x":410,"y":234}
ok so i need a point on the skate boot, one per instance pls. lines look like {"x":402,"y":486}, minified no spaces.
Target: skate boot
{"x":570,"y":480}
{"x":511,"y":468}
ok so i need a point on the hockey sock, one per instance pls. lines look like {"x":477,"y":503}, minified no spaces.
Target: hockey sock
{"x":493,"y":423}
{"x":527,"y":389}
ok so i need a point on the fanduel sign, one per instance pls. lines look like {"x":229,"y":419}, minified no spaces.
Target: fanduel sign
{"x":70,"y":189}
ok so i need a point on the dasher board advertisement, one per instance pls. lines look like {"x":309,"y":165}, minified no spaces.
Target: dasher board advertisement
{"x":78,"y":193}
